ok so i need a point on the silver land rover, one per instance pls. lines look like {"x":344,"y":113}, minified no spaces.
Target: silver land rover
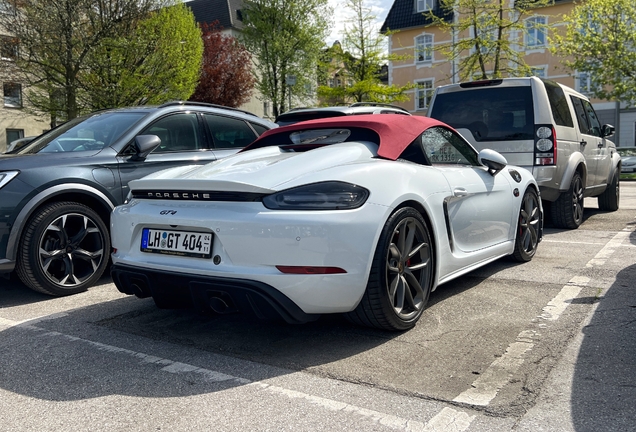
{"x":543,"y":126}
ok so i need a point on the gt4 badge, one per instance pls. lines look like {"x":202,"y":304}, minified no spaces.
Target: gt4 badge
{"x":168,"y":212}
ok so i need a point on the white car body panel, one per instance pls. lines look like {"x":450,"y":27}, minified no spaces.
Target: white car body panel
{"x":250,"y":240}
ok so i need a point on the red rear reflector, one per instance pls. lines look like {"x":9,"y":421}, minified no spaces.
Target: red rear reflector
{"x":309,"y":270}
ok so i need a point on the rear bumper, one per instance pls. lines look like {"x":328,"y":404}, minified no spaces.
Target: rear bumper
{"x":223,"y":295}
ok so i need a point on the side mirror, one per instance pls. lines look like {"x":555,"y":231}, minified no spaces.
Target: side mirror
{"x":492,"y":160}
{"x":143,"y":145}
{"x":607,"y":130}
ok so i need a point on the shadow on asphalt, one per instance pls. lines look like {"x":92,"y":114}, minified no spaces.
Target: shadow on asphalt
{"x":604,"y":387}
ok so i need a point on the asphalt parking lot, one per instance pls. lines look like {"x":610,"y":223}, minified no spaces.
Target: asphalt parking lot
{"x":546,"y":345}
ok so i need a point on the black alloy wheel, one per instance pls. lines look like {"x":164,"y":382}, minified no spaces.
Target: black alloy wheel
{"x":528,"y":227}
{"x":65,"y":249}
{"x":401,"y":274}
{"x":567,"y":210}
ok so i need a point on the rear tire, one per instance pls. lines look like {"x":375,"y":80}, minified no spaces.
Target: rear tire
{"x":610,"y":198}
{"x":401,"y":274}
{"x":567,"y":210}
{"x":64,"y":250}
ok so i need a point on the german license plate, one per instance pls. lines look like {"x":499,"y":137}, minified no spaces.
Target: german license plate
{"x":627,"y":170}
{"x":183,"y":243}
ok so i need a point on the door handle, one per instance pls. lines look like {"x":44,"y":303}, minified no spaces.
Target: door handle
{"x":460,"y":192}
{"x":601,"y":144}
{"x":583,"y":142}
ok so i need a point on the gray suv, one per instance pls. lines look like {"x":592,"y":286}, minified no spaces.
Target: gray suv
{"x":543,"y":126}
{"x":57,"y":192}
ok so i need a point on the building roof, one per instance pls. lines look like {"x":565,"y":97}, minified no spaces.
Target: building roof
{"x":403,"y":14}
{"x":225,"y":11}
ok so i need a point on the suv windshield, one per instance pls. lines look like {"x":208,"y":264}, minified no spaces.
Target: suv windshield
{"x":92,"y":132}
{"x":491,"y":114}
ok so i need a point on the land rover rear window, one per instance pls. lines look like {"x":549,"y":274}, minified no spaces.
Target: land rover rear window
{"x":490,"y":113}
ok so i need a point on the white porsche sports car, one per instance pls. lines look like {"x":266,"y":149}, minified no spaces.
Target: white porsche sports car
{"x":361,"y":215}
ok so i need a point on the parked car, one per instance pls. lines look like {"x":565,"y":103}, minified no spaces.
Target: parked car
{"x":363,"y":215}
{"x":628,"y":159}
{"x":57,"y":193}
{"x":302,"y":114}
{"x":19,"y":143}
{"x":546,"y":127}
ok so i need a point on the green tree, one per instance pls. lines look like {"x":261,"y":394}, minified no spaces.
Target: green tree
{"x":485,"y":36}
{"x":359,"y":61}
{"x":58,"y":36}
{"x":285,"y":38}
{"x":159,"y":60}
{"x":600,"y":41}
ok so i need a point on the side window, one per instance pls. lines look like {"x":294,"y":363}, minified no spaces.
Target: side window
{"x":581,"y":117}
{"x":595,"y":125}
{"x":178,"y":132}
{"x":443,"y":146}
{"x":260,"y":130}
{"x":229,"y":132}
{"x":559,"y":104}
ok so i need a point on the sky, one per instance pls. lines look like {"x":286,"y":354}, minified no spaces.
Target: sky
{"x":380,"y":9}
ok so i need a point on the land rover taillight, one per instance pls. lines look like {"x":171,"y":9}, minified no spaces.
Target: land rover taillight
{"x":545,"y":145}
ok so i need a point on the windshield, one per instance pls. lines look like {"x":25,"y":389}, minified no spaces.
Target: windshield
{"x":490,"y":113}
{"x":88,"y":133}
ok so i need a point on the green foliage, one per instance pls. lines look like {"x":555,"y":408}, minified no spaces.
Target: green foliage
{"x":78,"y":55}
{"x":358,"y":62}
{"x":285,"y":38}
{"x":158,"y":61}
{"x":491,"y":30}
{"x":600,"y":40}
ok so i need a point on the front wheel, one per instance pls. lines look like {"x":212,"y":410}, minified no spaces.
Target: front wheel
{"x":528,"y":227}
{"x":401,"y":274}
{"x":64,"y":250}
{"x":609,"y":199}
{"x":567,"y":210}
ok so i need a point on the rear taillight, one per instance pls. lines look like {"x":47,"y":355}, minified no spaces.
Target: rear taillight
{"x":545,"y":145}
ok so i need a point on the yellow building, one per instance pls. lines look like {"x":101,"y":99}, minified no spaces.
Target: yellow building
{"x":414,"y":39}
{"x":16,"y":120}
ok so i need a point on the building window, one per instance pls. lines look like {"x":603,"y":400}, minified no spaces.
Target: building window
{"x":424,"y":48}
{"x":423,"y":94}
{"x":331,"y":83}
{"x":536,"y":32}
{"x":424,"y":5}
{"x":540,"y":71}
{"x":266,"y":109}
{"x":14,"y":134}
{"x":8,"y":48}
{"x":12,"y":95}
{"x":585,"y":83}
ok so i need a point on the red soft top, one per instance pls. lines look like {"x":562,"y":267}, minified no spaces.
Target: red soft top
{"x":396,"y":132}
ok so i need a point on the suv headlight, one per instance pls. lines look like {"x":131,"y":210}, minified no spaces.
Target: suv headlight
{"x":6,"y":177}
{"x":332,"y":195}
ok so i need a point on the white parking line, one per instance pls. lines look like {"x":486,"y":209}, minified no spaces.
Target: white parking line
{"x":485,"y":388}
{"x":609,"y":249}
{"x":459,"y":420}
